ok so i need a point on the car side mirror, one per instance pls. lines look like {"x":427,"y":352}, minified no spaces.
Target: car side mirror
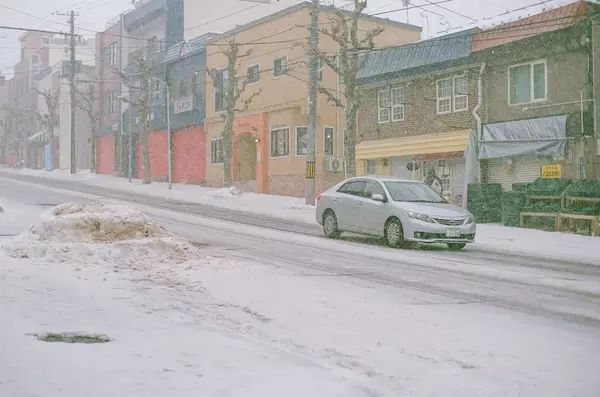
{"x":378,"y":197}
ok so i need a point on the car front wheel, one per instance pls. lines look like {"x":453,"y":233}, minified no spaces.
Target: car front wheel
{"x":456,"y":246}
{"x":394,"y":233}
{"x":330,"y":225}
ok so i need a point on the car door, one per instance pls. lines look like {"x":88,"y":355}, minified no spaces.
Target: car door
{"x":349,"y":195}
{"x":373,"y":213}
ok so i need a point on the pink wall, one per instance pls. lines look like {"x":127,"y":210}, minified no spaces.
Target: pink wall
{"x":157,"y":144}
{"x":105,"y":155}
{"x":189,"y":164}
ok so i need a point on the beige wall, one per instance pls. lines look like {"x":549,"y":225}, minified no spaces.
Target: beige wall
{"x":284,"y":98}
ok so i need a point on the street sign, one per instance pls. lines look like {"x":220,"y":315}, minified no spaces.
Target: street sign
{"x":310,"y":169}
{"x":552,"y":171}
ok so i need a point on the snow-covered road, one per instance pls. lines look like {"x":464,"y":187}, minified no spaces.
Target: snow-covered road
{"x":342,"y":316}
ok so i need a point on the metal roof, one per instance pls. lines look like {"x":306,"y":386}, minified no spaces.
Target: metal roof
{"x":187,"y":48}
{"x":414,"y":55}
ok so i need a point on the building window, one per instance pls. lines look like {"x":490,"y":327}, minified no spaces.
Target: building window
{"x":370,"y":167}
{"x":112,"y":102}
{"x":527,"y":82}
{"x":280,"y":66}
{"x":461,"y":93}
{"x":253,"y":73}
{"x":328,"y":136}
{"x":280,"y":142}
{"x":384,"y":101}
{"x":35,"y":60}
{"x":45,"y":40}
{"x":397,"y":103}
{"x":301,"y":141}
{"x":321,"y":69}
{"x":216,"y":150}
{"x":444,"y":95}
{"x":220,"y":83}
{"x":112,"y":54}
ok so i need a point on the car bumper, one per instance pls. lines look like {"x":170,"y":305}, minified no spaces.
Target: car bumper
{"x":423,"y":232}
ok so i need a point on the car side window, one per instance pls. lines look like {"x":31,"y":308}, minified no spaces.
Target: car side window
{"x":354,"y":188}
{"x":373,"y":187}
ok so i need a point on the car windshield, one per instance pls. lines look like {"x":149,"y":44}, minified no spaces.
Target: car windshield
{"x":413,"y":192}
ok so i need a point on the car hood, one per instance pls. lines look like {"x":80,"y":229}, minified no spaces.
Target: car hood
{"x":443,"y":210}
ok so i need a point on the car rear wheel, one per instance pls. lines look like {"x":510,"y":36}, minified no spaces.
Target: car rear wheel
{"x":456,"y":246}
{"x":394,"y":233}
{"x":330,"y":225}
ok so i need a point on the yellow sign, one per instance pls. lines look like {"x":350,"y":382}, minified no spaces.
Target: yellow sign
{"x":552,"y":171}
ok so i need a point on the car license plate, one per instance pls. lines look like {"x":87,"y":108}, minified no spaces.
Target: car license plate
{"x":452,"y":233}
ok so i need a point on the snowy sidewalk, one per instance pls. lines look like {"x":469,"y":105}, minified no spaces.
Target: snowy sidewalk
{"x":490,"y":237}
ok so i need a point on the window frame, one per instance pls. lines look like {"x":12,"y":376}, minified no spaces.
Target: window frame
{"x":380,"y":108}
{"x":531,"y":65}
{"x":438,"y":99}
{"x":220,"y":88}
{"x":340,"y":190}
{"x":271,"y":142}
{"x":400,"y":106}
{"x":332,"y":141}
{"x":371,"y":161}
{"x":375,"y":182}
{"x":284,"y":69}
{"x":455,"y":95}
{"x":112,"y":53}
{"x":215,"y":159}
{"x":257,"y":73}
{"x":296,"y":140}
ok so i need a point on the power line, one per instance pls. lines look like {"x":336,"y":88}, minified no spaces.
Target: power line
{"x":32,"y":15}
{"x":451,"y":10}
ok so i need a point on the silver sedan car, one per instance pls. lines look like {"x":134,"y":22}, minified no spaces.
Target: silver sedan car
{"x":399,"y":210}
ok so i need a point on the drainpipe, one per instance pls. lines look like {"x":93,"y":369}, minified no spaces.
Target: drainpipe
{"x":477,"y":116}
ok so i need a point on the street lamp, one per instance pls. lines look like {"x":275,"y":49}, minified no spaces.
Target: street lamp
{"x":169,"y":151}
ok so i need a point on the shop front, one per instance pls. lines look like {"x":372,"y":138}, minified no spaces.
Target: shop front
{"x":437,"y":159}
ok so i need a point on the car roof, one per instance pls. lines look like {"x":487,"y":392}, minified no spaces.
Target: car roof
{"x":382,"y":179}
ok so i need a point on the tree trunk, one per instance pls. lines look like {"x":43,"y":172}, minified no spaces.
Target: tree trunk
{"x":146,"y":154}
{"x":92,"y":149}
{"x":351,"y":135}
{"x":227,"y":149}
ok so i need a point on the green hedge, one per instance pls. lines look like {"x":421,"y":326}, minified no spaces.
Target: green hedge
{"x":512,"y":203}
{"x":484,"y":201}
{"x":584,"y":189}
{"x":547,"y":187}
{"x":583,"y":209}
{"x":542,"y":206}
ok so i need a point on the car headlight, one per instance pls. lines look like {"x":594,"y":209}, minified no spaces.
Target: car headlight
{"x":469,"y":220}
{"x":420,"y":217}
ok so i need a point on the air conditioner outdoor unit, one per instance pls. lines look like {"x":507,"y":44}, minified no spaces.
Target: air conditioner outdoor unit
{"x":334,"y":165}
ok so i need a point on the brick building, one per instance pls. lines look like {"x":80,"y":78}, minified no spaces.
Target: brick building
{"x":416,"y":112}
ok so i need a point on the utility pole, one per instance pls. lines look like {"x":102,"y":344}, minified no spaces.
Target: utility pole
{"x":72,"y":91}
{"x":312,"y":103}
{"x":71,"y":15}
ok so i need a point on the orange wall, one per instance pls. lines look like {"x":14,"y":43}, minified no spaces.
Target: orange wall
{"x":189,"y":165}
{"x":157,"y":143}
{"x":105,"y":155}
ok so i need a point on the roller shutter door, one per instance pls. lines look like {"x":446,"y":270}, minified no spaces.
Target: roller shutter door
{"x":524,"y":169}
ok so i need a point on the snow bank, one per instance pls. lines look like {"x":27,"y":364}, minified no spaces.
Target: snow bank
{"x":92,"y":232}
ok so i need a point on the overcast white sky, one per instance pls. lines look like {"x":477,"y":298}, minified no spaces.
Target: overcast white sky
{"x":95,"y":13}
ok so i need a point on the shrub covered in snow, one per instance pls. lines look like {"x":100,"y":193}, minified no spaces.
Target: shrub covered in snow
{"x":95,"y":232}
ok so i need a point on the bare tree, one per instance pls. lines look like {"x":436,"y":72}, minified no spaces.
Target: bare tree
{"x":141,"y":81}
{"x":232,"y":87}
{"x":86,"y":100}
{"x":23,"y":122}
{"x":353,"y":50}
{"x":49,"y":119}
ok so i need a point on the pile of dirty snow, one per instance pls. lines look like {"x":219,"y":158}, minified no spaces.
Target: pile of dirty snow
{"x":92,"y":232}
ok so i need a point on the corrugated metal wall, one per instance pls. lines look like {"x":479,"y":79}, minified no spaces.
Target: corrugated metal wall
{"x":524,"y":169}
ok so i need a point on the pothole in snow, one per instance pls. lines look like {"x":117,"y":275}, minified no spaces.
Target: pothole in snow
{"x":72,"y":337}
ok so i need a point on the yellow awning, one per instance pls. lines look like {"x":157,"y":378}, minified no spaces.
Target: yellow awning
{"x":413,"y":145}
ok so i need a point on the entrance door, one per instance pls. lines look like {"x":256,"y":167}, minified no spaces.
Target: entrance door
{"x":246,"y":163}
